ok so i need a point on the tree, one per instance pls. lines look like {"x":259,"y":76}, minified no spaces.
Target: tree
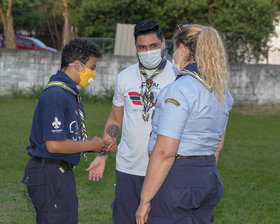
{"x":182,"y":12}
{"x":7,"y":22}
{"x":246,"y":26}
{"x":66,"y":28}
{"x":55,"y":16}
{"x":58,"y":8}
{"x":98,"y":18}
{"x":26,"y":17}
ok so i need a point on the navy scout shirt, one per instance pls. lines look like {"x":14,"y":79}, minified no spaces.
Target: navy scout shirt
{"x":56,"y":118}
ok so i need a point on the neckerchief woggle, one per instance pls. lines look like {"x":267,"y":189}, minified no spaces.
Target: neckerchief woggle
{"x":149,"y":82}
{"x":195,"y":75}
{"x":79,"y":108}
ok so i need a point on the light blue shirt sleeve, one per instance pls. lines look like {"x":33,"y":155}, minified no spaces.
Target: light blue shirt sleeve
{"x":189,"y":112}
{"x":173,"y":113}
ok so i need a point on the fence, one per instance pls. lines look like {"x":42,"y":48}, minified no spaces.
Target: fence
{"x":22,"y":70}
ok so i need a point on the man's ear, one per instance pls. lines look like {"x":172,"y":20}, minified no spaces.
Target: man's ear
{"x":77,"y":65}
{"x":163,"y":43}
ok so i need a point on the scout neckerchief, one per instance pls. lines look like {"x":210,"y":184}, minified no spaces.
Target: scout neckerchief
{"x":149,"y":83}
{"x":196,"y":76}
{"x":79,"y":105}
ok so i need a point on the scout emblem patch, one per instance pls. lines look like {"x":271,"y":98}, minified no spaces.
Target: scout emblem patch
{"x":173,"y":101}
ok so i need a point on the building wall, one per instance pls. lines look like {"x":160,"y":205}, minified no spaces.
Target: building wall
{"x":20,"y":69}
{"x":124,"y":41}
{"x":255,"y":83}
{"x":274,"y":45}
{"x":274,"y":50}
{"x":23,"y":69}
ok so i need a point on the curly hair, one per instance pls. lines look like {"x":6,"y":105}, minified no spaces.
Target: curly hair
{"x":78,"y":49}
{"x":206,"y":48}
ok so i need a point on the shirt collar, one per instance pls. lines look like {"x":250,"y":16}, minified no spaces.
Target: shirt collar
{"x":62,"y":77}
{"x":192,"y":70}
{"x":192,"y":67}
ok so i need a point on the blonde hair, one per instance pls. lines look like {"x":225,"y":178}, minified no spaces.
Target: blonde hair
{"x":206,"y":48}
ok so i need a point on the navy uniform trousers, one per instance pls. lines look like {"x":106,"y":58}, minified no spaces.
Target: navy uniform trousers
{"x":189,"y":193}
{"x":127,"y":197}
{"x":52,"y":189}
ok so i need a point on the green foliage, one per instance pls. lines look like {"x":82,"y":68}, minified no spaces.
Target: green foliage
{"x":4,"y":4}
{"x":99,"y":18}
{"x":26,"y":17}
{"x":105,"y":96}
{"x":245,"y":26}
{"x":32,"y":92}
{"x":182,"y":12}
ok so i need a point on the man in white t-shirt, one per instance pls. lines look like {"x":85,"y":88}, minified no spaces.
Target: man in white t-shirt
{"x":136,"y":89}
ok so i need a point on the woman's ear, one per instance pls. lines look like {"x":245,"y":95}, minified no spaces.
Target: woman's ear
{"x":184,"y":51}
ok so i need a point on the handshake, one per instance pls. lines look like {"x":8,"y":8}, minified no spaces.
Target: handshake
{"x":102,"y":145}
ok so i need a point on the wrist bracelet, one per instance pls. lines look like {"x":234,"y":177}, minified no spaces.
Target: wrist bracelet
{"x":103,"y":154}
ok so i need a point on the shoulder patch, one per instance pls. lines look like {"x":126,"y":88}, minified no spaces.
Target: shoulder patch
{"x":171,"y":100}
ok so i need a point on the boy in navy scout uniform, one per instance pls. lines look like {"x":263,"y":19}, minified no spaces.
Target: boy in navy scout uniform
{"x":58,"y":136}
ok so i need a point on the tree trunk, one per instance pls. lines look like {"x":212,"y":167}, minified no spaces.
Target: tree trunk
{"x":3,"y":19}
{"x":8,"y":25}
{"x":66,"y":37}
{"x":51,"y":33}
{"x":11,"y":34}
{"x":57,"y":33}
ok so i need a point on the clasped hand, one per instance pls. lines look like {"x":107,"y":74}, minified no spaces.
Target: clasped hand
{"x":109,"y":146}
{"x":102,"y":145}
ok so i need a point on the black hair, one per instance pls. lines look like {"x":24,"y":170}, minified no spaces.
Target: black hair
{"x":78,"y":49}
{"x":147,"y":27}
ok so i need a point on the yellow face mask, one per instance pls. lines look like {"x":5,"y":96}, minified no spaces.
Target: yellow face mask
{"x":86,"y":77}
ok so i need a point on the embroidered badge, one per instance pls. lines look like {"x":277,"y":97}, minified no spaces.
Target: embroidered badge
{"x":56,"y":123}
{"x":171,"y":100}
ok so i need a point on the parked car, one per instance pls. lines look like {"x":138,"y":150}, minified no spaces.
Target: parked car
{"x":31,"y":43}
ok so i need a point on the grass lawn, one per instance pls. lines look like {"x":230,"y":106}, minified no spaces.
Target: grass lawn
{"x":248,"y":164}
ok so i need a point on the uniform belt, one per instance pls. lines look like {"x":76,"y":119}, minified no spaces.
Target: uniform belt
{"x":62,"y":163}
{"x":189,"y":157}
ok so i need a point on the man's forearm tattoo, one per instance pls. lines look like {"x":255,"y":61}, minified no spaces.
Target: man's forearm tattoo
{"x":113,"y":130}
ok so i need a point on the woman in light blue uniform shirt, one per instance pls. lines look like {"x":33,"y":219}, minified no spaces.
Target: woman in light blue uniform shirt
{"x":182,"y":183}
